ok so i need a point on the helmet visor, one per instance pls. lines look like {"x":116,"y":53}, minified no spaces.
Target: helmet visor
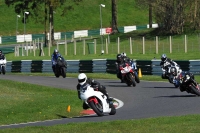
{"x":163,"y":59}
{"x":81,"y":80}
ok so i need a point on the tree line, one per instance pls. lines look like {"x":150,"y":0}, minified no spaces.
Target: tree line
{"x":173,"y":16}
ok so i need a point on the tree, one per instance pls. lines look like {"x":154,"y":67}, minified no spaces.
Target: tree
{"x":35,"y":8}
{"x":171,"y":15}
{"x":114,"y":17}
{"x":147,"y":3}
{"x":194,"y":15}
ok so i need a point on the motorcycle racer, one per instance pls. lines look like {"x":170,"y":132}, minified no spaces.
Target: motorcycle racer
{"x":83,"y":80}
{"x":166,"y":63}
{"x":54,"y":58}
{"x":2,"y":57}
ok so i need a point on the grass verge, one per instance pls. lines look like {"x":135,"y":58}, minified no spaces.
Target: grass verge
{"x":23,"y":102}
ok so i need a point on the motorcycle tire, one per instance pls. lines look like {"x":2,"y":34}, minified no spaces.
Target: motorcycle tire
{"x":137,"y":79}
{"x":63,"y":72}
{"x":132,"y":79}
{"x":3,"y":70}
{"x":96,"y":108}
{"x":113,"y":110}
{"x":195,"y":90}
{"x":57,"y":75}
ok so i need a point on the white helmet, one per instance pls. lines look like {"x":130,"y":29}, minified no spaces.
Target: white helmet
{"x":82,"y":78}
{"x":123,"y":54}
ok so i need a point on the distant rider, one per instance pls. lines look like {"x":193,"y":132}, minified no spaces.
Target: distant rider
{"x":2,"y":57}
{"x":165,"y":64}
{"x":83,"y":80}
{"x":54,"y":58}
{"x":175,"y":74}
{"x":119,"y":62}
{"x":126,"y":59}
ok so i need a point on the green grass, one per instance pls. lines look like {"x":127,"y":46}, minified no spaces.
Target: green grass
{"x":84,"y":17}
{"x":22,"y":102}
{"x":183,"y":124}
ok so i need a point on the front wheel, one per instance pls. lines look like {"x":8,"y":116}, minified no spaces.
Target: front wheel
{"x":63,"y":69}
{"x":131,"y":77}
{"x":97,"y":108}
{"x":195,"y":89}
{"x":113,"y":110}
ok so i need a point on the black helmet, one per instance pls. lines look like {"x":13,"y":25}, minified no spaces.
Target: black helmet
{"x":119,"y":57}
{"x":173,"y":71}
{"x":163,"y":57}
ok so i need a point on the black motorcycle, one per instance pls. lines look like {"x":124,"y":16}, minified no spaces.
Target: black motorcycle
{"x":188,"y":83}
{"x":60,"y":67}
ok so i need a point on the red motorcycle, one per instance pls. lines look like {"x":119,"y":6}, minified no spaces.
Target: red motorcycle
{"x":128,"y":74}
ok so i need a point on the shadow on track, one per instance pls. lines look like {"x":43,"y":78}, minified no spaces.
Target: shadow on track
{"x":174,"y":96}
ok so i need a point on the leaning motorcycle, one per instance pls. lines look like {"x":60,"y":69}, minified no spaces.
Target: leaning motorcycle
{"x":188,"y":83}
{"x":128,"y":74}
{"x":96,"y":100}
{"x":171,"y":76}
{"x":60,"y":67}
{"x":168,"y":75}
{"x":3,"y":66}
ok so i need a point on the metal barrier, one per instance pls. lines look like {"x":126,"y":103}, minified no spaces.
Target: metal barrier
{"x":148,"y":67}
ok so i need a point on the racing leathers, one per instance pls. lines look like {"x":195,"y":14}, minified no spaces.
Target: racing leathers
{"x":166,"y":65}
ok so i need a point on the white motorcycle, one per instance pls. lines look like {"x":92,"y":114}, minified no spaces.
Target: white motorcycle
{"x":96,"y":100}
{"x":3,"y":66}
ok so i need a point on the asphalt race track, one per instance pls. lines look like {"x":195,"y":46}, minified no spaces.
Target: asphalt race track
{"x":147,"y":99}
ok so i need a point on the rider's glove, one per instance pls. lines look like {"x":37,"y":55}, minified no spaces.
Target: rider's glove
{"x":95,"y":87}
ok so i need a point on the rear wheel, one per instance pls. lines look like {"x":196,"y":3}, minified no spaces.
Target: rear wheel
{"x":97,"y":108}
{"x":137,"y":78}
{"x":3,"y":70}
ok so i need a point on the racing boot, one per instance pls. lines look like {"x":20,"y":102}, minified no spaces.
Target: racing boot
{"x":109,"y":100}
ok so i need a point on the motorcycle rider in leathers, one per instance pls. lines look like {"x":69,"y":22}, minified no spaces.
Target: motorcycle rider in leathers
{"x":165,"y":64}
{"x":2,"y":57}
{"x":119,"y":62}
{"x":54,"y":58}
{"x":177,"y":79}
{"x":83,"y":80}
{"x":122,"y":59}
